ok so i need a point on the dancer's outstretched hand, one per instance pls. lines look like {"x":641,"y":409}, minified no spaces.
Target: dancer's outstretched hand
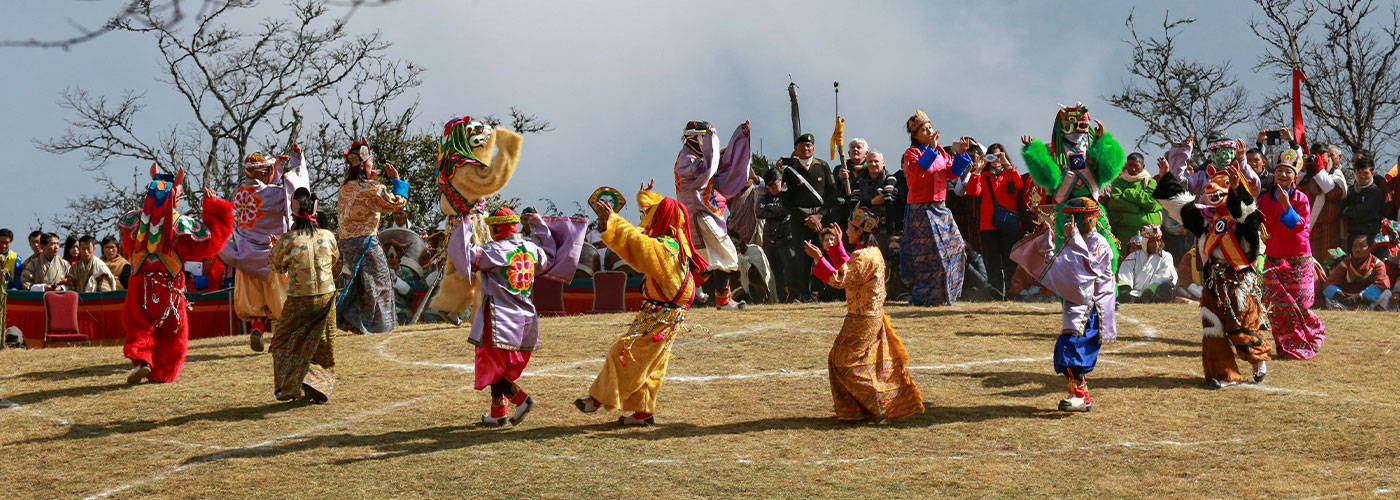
{"x":812,"y":250}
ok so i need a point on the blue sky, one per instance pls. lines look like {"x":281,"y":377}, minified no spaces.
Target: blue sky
{"x":619,"y":79}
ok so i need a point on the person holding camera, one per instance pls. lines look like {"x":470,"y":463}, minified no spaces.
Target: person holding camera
{"x":996,"y":186}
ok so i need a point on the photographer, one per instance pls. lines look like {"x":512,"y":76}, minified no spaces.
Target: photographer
{"x":996,"y":185}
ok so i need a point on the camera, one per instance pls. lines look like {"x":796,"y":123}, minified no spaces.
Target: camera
{"x":1273,"y":136}
{"x":991,"y":158}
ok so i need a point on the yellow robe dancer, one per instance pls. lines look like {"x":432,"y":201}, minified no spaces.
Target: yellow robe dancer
{"x":661,"y":249}
{"x":869,"y":380}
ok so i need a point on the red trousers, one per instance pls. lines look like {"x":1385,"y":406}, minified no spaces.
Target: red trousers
{"x":164,"y":346}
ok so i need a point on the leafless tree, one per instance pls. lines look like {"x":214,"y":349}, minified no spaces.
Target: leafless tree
{"x":172,"y":13}
{"x":1176,"y":96}
{"x":242,"y":88}
{"x":1349,"y":50}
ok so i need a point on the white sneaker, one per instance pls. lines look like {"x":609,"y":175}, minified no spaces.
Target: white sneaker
{"x":490,"y":421}
{"x":1221,"y":384}
{"x":522,"y":410}
{"x":1260,"y":371}
{"x":586,"y":404}
{"x":137,"y":374}
{"x":1075,"y":404}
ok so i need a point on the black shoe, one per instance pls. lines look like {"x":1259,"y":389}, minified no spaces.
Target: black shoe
{"x":629,"y":421}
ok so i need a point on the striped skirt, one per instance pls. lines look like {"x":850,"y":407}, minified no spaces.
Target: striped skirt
{"x":932,"y":258}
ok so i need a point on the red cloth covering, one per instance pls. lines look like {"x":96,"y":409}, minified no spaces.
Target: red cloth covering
{"x":158,"y":342}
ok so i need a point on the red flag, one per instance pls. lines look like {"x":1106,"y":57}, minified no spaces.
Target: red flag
{"x":1298,"y":79}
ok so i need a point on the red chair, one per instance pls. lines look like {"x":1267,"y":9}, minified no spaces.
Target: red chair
{"x":609,"y":292}
{"x":549,"y":297}
{"x":61,"y":319}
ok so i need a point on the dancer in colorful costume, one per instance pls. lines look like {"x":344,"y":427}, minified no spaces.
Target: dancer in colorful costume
{"x":303,"y":353}
{"x":261,"y":209}
{"x":933,"y":255}
{"x":1224,"y":154}
{"x":474,"y":161}
{"x":661,"y":249}
{"x":505,"y":329}
{"x":1227,"y":238}
{"x":706,"y":176}
{"x":366,"y":301}
{"x":1289,"y":269}
{"x":869,"y":380}
{"x":1079,"y":269}
{"x":1078,"y":161}
{"x":158,"y":240}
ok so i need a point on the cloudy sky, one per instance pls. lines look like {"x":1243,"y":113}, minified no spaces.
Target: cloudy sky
{"x":619,"y":79}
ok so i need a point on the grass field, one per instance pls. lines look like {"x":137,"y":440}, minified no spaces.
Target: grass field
{"x":745,"y":412}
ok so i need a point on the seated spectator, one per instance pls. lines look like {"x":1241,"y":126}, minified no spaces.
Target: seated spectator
{"x":45,"y":270}
{"x":9,"y":262}
{"x":1359,"y":280}
{"x":1129,"y":201}
{"x":754,"y":281}
{"x":1147,"y":274}
{"x":70,"y":250}
{"x":399,"y":219}
{"x":112,"y":256}
{"x":89,"y":274}
{"x":1189,"y":282}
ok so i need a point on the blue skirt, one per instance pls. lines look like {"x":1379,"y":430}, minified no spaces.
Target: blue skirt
{"x":1079,"y":351}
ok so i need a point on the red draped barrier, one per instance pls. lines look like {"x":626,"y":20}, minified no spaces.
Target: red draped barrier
{"x":99,"y":315}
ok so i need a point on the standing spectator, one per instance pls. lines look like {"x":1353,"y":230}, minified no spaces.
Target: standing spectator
{"x":1365,"y":205}
{"x":1326,"y":188}
{"x":112,"y":256}
{"x":857,"y":154}
{"x":44,"y":268}
{"x":776,"y":231}
{"x":995,"y":183}
{"x":1254,"y":157}
{"x":1334,"y":158}
{"x":809,"y":198}
{"x":70,"y":250}
{"x":932,"y":254}
{"x":1358,"y":281}
{"x":967,"y":215}
{"x":1130,"y":205}
{"x":877,"y":192}
{"x":89,"y":274}
{"x":9,"y":262}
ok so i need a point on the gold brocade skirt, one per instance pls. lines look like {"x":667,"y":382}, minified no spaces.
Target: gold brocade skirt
{"x":869,"y":380}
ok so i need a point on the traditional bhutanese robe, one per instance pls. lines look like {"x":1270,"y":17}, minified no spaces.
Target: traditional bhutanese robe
{"x":91,"y":276}
{"x":303,"y":345}
{"x":869,"y":380}
{"x":39,"y":270}
{"x":156,"y":315}
{"x":703,"y":179}
{"x":366,"y":285}
{"x":1141,"y":271}
{"x":117,"y":266}
{"x":506,"y":329}
{"x":1369,"y":279}
{"x":933,"y":255}
{"x":636,"y":363}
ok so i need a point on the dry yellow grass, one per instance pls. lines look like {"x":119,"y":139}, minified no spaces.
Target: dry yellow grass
{"x":745,"y":413}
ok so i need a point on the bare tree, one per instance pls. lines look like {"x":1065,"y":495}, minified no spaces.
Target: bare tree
{"x":171,"y":14}
{"x":1175,"y":96}
{"x":1349,"y":51}
{"x":241,"y":88}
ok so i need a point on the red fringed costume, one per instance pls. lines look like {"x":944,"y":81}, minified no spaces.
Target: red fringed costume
{"x":158,"y":241}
